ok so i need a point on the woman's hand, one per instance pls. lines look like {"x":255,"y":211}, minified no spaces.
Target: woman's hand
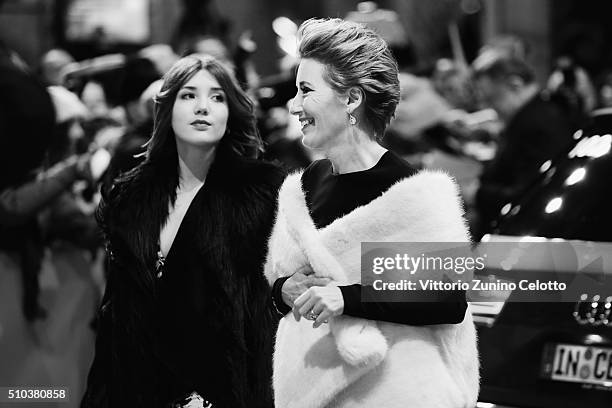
{"x":319,"y":304}
{"x":298,"y":283}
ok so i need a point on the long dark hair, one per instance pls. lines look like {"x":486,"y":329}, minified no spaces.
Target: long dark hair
{"x":241,"y":137}
{"x":133,"y":212}
{"x":155,"y":180}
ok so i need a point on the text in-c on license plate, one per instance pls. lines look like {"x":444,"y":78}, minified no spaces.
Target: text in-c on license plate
{"x":578,"y":364}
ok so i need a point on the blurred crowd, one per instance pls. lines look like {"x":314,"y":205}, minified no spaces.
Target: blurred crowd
{"x":68,"y":128}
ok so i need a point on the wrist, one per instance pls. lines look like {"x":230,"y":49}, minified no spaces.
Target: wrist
{"x":278,"y":298}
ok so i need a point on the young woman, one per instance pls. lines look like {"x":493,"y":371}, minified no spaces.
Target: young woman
{"x":348,"y":90}
{"x":185,"y":317}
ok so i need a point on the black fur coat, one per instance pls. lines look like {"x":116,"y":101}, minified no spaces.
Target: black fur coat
{"x":213,"y":330}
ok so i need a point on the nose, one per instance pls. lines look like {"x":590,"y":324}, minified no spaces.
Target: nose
{"x":201,"y":107}
{"x":295,"y":107}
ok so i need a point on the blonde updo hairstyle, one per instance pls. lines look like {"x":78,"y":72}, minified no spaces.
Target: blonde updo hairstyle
{"x":354,"y":56}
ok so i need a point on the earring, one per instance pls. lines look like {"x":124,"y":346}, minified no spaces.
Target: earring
{"x":352,"y":119}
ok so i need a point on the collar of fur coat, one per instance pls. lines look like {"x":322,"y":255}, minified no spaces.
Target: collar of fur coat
{"x":422,"y":208}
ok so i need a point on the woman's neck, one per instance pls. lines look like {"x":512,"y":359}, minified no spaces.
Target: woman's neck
{"x":194,"y":164}
{"x":359,"y":152}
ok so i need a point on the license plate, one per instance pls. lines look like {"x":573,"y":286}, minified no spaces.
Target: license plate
{"x":578,"y":364}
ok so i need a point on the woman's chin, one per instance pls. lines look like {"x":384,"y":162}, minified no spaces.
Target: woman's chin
{"x":200,"y":142}
{"x":309,"y":140}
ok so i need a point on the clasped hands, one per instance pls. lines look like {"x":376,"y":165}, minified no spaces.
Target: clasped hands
{"x":312,"y":297}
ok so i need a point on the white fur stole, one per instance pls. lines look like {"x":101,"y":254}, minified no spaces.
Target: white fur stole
{"x":311,"y":366}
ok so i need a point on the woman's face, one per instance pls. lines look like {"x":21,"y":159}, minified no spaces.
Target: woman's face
{"x":322,"y":113}
{"x":200,"y":112}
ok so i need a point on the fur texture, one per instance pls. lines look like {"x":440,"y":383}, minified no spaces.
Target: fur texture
{"x":357,"y":362}
{"x":235,"y":211}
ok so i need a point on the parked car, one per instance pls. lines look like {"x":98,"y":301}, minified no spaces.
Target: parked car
{"x":556,"y":354}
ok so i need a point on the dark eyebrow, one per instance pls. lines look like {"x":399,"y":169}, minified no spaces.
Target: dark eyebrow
{"x":213,"y":89}
{"x":302,"y":83}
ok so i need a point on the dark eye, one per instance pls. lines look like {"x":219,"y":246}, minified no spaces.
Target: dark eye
{"x":218,"y":97}
{"x":187,"y":95}
{"x":305,"y":90}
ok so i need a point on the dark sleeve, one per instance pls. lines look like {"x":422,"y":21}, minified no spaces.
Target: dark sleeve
{"x":18,"y":204}
{"x":444,"y":308}
{"x":280,"y":307}
{"x":65,"y":220}
{"x":263,"y":321}
{"x":97,"y":393}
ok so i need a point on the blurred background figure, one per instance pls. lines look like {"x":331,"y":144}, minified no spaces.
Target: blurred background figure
{"x":94,"y":98}
{"x":68,"y":221}
{"x":604,"y":90}
{"x":284,"y":139}
{"x":420,"y":109}
{"x":53,"y":66}
{"x":213,"y":46}
{"x":281,"y":130}
{"x":42,"y":162}
{"x":571,"y":88}
{"x":534,"y":130}
{"x":237,"y":61}
{"x":452,"y":81}
{"x":161,"y":55}
{"x":384,"y":22}
{"x":44,"y":156}
{"x":128,"y":152}
{"x":27,"y":117}
{"x":502,"y":46}
{"x":135,"y":77}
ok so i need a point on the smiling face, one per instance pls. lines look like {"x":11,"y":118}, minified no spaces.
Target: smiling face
{"x":322,"y":112}
{"x":200,"y":111}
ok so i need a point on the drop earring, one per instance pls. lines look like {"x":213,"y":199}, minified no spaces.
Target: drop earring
{"x":352,"y":119}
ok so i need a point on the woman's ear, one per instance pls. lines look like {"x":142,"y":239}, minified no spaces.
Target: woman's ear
{"x":355,"y":98}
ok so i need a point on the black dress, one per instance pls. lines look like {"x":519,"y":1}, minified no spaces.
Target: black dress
{"x":205,"y":324}
{"x":186,"y":332}
{"x":330,"y":196}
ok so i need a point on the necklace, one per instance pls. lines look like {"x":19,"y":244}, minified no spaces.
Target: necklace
{"x":184,"y":197}
{"x":159,"y":264}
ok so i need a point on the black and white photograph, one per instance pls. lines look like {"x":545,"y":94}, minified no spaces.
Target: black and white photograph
{"x":305,"y":204}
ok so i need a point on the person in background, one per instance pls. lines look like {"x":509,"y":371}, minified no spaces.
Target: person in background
{"x":134,"y":78}
{"x":27,"y":120}
{"x":94,"y":98}
{"x":186,"y":317}
{"x":130,"y":149}
{"x":334,"y":349}
{"x":604,"y":89}
{"x":68,"y":222}
{"x":53,"y":64}
{"x":161,"y":55}
{"x":535,"y":129}
{"x":503,"y":46}
{"x":283,"y":141}
{"x":140,"y":79}
{"x":571,"y":88}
